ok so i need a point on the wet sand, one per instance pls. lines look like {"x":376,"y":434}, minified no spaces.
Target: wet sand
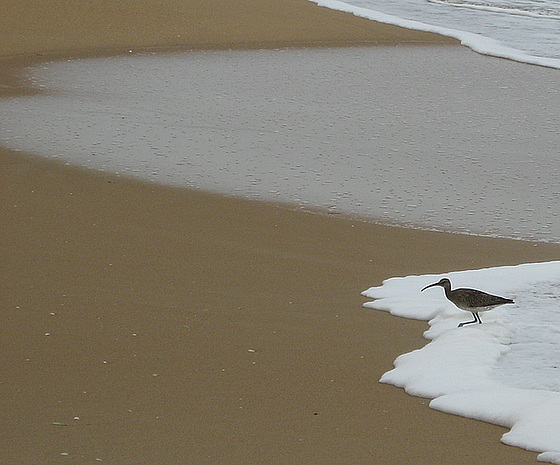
{"x":144,"y":324}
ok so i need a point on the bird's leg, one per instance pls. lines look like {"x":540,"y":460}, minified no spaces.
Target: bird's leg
{"x":476,"y":320}
{"x":477,"y":316}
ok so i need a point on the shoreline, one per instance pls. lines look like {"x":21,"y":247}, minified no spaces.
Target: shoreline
{"x":14,"y":156}
{"x":13,"y":85}
{"x":366,"y":152}
{"x":152,"y":324}
{"x":40,"y":27}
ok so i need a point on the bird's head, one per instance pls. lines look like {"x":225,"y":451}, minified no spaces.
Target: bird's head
{"x":444,"y":282}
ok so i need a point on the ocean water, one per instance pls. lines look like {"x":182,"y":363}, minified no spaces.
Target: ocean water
{"x":524,"y":30}
{"x":505,"y":371}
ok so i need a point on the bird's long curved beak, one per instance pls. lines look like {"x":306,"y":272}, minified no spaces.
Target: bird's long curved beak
{"x":429,"y":285}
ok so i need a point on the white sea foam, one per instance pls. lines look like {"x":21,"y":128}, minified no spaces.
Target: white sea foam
{"x":432,"y":140}
{"x":526,"y":31}
{"x":505,"y":371}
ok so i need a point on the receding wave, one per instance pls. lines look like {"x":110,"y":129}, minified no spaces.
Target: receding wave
{"x":448,"y":150}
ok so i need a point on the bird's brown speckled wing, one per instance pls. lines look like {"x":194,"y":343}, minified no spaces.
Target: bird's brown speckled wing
{"x":471,"y":298}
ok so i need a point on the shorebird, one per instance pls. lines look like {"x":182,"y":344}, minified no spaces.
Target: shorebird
{"x":470,"y":300}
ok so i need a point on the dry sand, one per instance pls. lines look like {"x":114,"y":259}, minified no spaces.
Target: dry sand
{"x":143,"y":324}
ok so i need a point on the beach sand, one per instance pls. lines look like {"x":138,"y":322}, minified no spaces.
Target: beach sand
{"x":144,"y":324}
